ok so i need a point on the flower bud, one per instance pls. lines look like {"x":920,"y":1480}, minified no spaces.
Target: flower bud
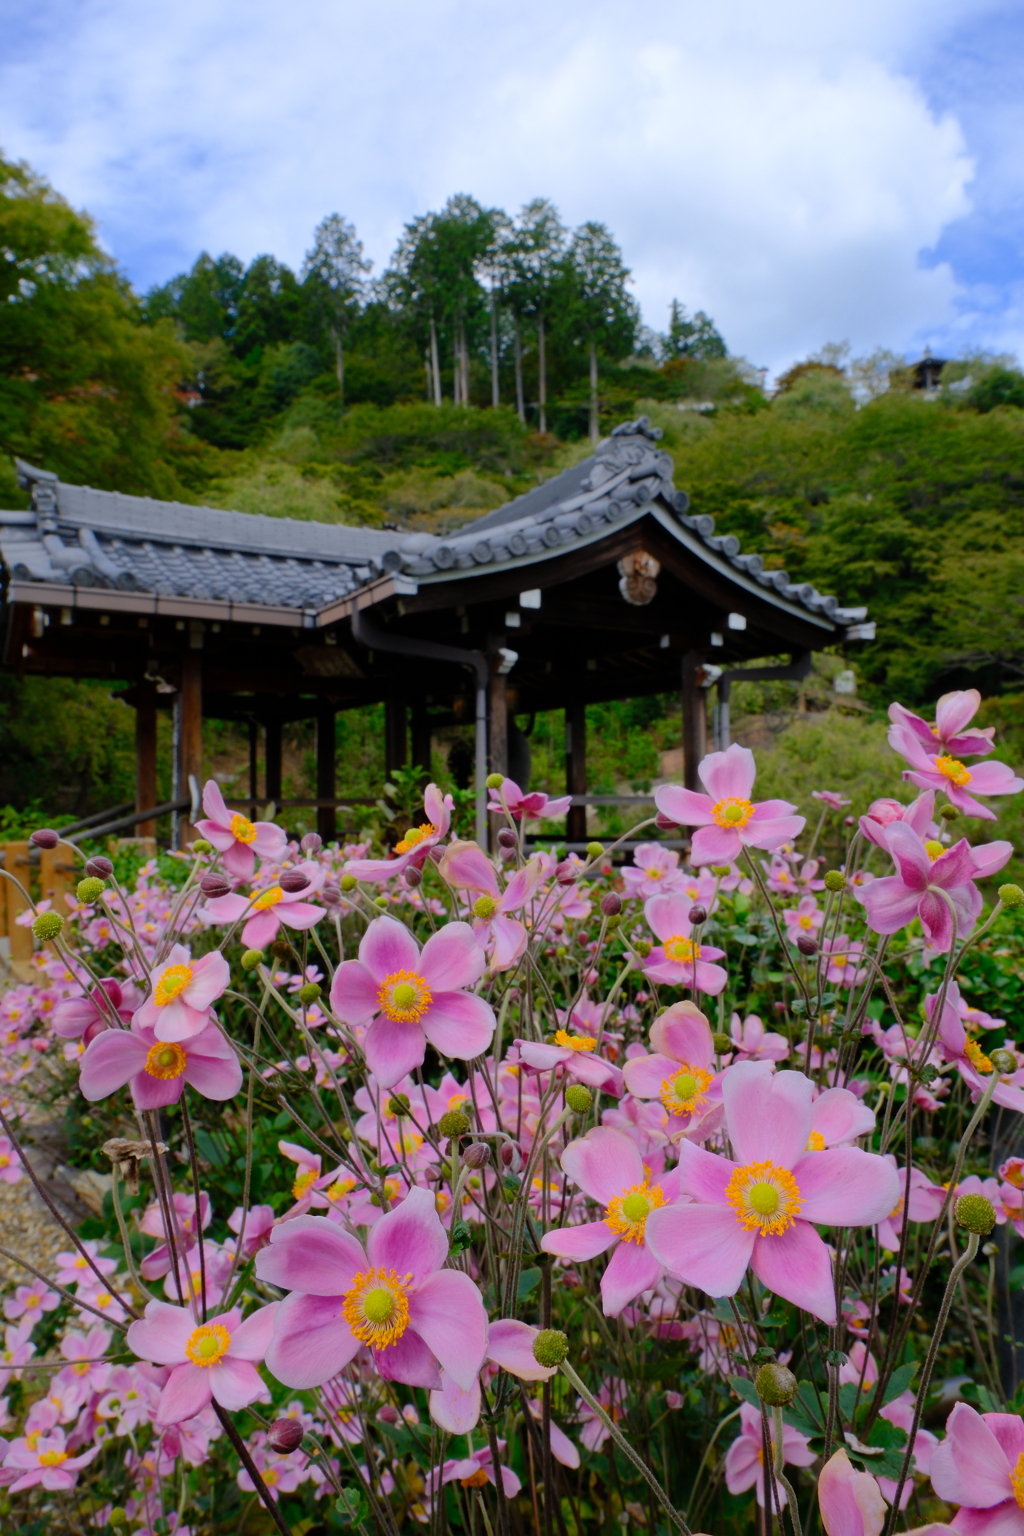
{"x":643,"y":947}
{"x":348,"y":882}
{"x":665,"y":823}
{"x":90,"y":889}
{"x":835,"y":880}
{"x":776,"y":1385}
{"x":611,"y":905}
{"x":1004,"y":1062}
{"x":975,"y":1214}
{"x":579,"y":1098}
{"x":398,"y":1104}
{"x":99,"y":867}
{"x":722,"y":1042}
{"x":309,"y":993}
{"x":201,"y":845}
{"x":1011,"y":896}
{"x":45,"y":837}
{"x":477,"y":1156}
{"x":949,"y":813}
{"x":330,"y":894}
{"x":47,"y":926}
{"x":293,"y":881}
{"x":436,"y":853}
{"x":382,"y":902}
{"x":495,"y":780}
{"x":550,"y":1347}
{"x":453,"y":1123}
{"x":507,"y":838}
{"x":311,"y":843}
{"x":567,"y":873}
{"x":511,"y":1157}
{"x":807,"y":944}
{"x":595,"y":850}
{"x":507,"y":852}
{"x":117,"y":1517}
{"x":285,"y":1436}
{"x":281,"y":949}
{"x":214,"y":885}
{"x":388,"y":1413}
{"x":413,"y":877}
{"x":251,"y":959}
{"x":698,"y":915}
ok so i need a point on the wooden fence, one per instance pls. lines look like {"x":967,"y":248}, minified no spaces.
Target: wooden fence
{"x":46,"y":874}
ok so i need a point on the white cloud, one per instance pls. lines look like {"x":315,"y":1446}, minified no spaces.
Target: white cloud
{"x":775,"y":166}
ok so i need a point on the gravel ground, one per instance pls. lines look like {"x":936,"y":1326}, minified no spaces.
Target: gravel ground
{"x":27,"y":1229}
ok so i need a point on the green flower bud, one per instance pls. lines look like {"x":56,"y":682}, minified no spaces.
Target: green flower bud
{"x":1011,"y":896}
{"x":975,"y":1214}
{"x":949,"y":813}
{"x":721,"y":1042}
{"x":382,"y":902}
{"x":613,"y":922}
{"x":1004,"y":1062}
{"x":47,"y":926}
{"x":595,"y":850}
{"x":719,"y":871}
{"x":251,"y":959}
{"x":202,"y":846}
{"x":495,"y":780}
{"x":643,"y":947}
{"x":550,"y":1347}
{"x":775,"y":1385}
{"x":348,"y":882}
{"x":90,"y":889}
{"x":117,"y":1516}
{"x":579,"y":1098}
{"x":453,"y":1123}
{"x":309,"y":993}
{"x":835,"y":880}
{"x":398,"y":1104}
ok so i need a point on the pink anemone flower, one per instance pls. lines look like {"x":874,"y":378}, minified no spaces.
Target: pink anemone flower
{"x":980,"y":1466}
{"x":526,"y":807}
{"x":744,"y":1460}
{"x":850,"y":1502}
{"x":413,"y":997}
{"x":679,"y":960}
{"x":805,"y":918}
{"x":576,"y":1055}
{"x":183,"y":991}
{"x":953,"y":712}
{"x":81,"y":1018}
{"x":271,"y":907}
{"x":830,"y":797}
{"x":755,"y":1043}
{"x":923,"y":871}
{"x":159,"y":1069}
{"x":838,"y":1117}
{"x":919,"y":816}
{"x":727,"y":820}
{"x":941,"y":770}
{"x":760,"y":1210}
{"x":466,"y":867}
{"x":396,"y":1297}
{"x":842,"y":955}
{"x":216,"y":1359}
{"x":967,"y":1055}
{"x":237,"y":838}
{"x":412,"y":851}
{"x":680,"y":1072}
{"x":10,"y":1161}
{"x":654,"y":871}
{"x":45,"y":1462}
{"x":607,"y":1166}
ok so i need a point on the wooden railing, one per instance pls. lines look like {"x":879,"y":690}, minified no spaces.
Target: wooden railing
{"x":45,"y":873}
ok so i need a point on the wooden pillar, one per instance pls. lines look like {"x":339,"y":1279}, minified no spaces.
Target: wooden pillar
{"x":254,"y":752}
{"x":497,"y":719}
{"x":190,"y":736}
{"x":395,"y":724}
{"x":695,"y":718}
{"x":272,"y":759}
{"x":421,"y":739}
{"x":145,"y":754}
{"x":576,"y":769}
{"x":326,"y":818}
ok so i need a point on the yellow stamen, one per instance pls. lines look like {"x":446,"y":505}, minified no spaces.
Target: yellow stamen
{"x":376,"y":1307}
{"x":933,"y":849}
{"x":270,"y":1476}
{"x":681,"y":949}
{"x":732,"y":812}
{"x":1017,"y":1480}
{"x":477,"y":1479}
{"x":52,"y":1458}
{"x":976,"y":1056}
{"x":484,"y":908}
{"x":627,"y":1213}
{"x":171,"y":984}
{"x":953,"y":770}
{"x":684,"y":1093}
{"x":806,"y":921}
{"x":404,"y":997}
{"x":269,"y":898}
{"x":243,"y":829}
{"x":815,"y":1142}
{"x":575,"y":1042}
{"x":765,"y":1197}
{"x":302,"y":1182}
{"x":165,"y":1060}
{"x":339,"y":1189}
{"x":414,"y":837}
{"x":208,"y":1344}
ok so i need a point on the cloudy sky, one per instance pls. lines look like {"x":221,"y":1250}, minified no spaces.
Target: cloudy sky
{"x":806,"y":172}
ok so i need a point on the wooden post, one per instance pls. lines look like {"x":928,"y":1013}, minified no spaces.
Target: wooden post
{"x":326,"y":818}
{"x":497,"y":737}
{"x":395,"y":729}
{"x":190,"y":740}
{"x":145,"y":754}
{"x":576,"y":770}
{"x":58,"y":870}
{"x":421,"y":740}
{"x":16,"y":862}
{"x":254,"y":752}
{"x":272,"y":759}
{"x":695,"y":718}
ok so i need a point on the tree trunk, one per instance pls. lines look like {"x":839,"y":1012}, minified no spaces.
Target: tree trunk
{"x":593,"y":392}
{"x":465,"y":365}
{"x":542,"y":383}
{"x":520,"y":403}
{"x":495,"y":392}
{"x":434,"y":363}
{"x":429,"y":373}
{"x":339,"y":365}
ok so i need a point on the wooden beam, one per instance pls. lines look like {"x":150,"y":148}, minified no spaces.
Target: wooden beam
{"x":326,"y":821}
{"x":695,"y":718}
{"x":190,"y":739}
{"x":576,"y":768}
{"x":145,"y":754}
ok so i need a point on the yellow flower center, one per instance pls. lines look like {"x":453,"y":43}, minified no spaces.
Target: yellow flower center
{"x":681,"y":949}
{"x":80,"y":1368}
{"x":208,"y":1344}
{"x":732,"y":812}
{"x":4,"y":1160}
{"x":484,"y":908}
{"x":376,"y":1307}
{"x":933,"y":849}
{"x":52,"y":1458}
{"x":171,"y":984}
{"x":765,"y":1198}
{"x":243,"y":829}
{"x":575,"y":1042}
{"x":166,"y":1059}
{"x":102,"y":1299}
{"x":952,"y":770}
{"x":414,"y":837}
{"x":302,"y":1182}
{"x":976,"y":1056}
{"x":1017,"y":1480}
{"x":339,"y":1189}
{"x":806,"y":921}
{"x":815,"y":1142}
{"x":404,"y":997}
{"x":270,"y":1476}
{"x":269,"y":898}
{"x":1015,"y":1176}
{"x":684,"y":1093}
{"x":838,"y":961}
{"x":627,"y":1213}
{"x":477,"y":1479}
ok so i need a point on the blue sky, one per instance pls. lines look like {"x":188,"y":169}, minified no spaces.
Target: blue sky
{"x":804,"y":172}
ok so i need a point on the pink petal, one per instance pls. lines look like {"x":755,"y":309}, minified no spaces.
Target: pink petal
{"x":937,"y":921}
{"x":909,"y":855}
{"x":234,"y":1383}
{"x":703,"y":1175}
{"x":581,"y":1242}
{"x":239,"y":861}
{"x":454,"y":1410}
{"x":969,"y":1467}
{"x":448,"y":1313}
{"x":603,"y":1163}
{"x":510,"y":1345}
{"x":410,"y":1239}
{"x":250,"y":1340}
{"x":186,"y":1393}
{"x":213,"y":804}
{"x":393,"y":1050}
{"x":261,"y":929}
{"x":728,"y":774}
{"x":682,"y":1031}
{"x":310,"y":1253}
{"x":889,"y":903}
{"x":704,"y":1245}
{"x":161,"y":1335}
{"x":522,"y":885}
{"x":312,"y":1341}
{"x":838,"y":1115}
{"x":210,"y":975}
{"x":270,"y":842}
{"x":772,"y":834}
{"x":150,"y":1092}
{"x":768,"y":1114}
{"x":438,"y":808}
{"x":715,"y":845}
{"x":683,"y":805}
{"x":110,"y":1060}
{"x":644,"y":1075}
{"x":388,"y":946}
{"x":796,"y":1265}
{"x":467,"y":867}
{"x":562,"y":1448}
{"x":632,"y":1270}
{"x":773,"y":810}
{"x":507,"y":937}
{"x":989,"y":858}
{"x":595,"y":1072}
{"x":668,"y":915}
{"x":954,"y":867}
{"x":955,"y":710}
{"x":851,"y":1503}
{"x":846,"y":1187}
{"x":178,"y":1021}
{"x":225,"y":909}
{"x":410,"y":1362}
{"x":355,"y":993}
{"x":459,"y":1024}
{"x":299,"y":914}
{"x":211,"y":1066}
{"x":994,"y":779}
